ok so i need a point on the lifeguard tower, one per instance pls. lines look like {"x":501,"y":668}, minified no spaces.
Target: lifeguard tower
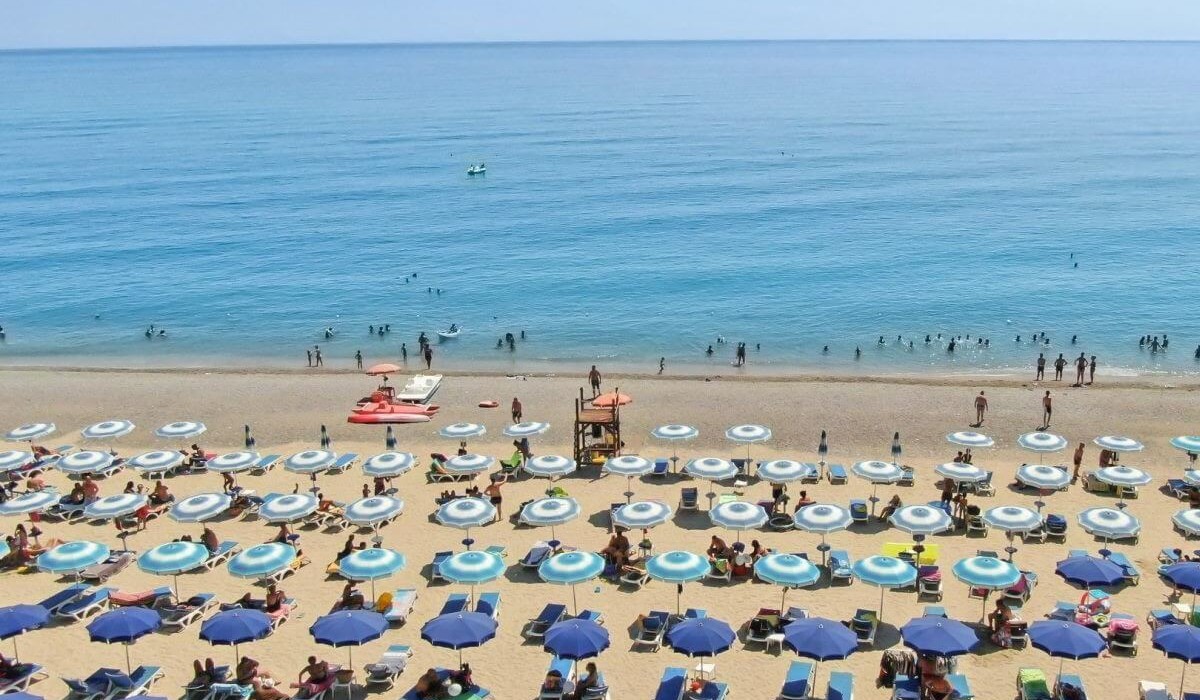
{"x":597,"y":431}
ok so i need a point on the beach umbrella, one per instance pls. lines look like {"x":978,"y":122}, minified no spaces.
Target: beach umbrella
{"x":1192,"y":477}
{"x":14,"y":459}
{"x":939,"y":636}
{"x":466,"y":513}
{"x":786,"y":570}
{"x":711,"y":468}
{"x":172,"y":559}
{"x":1187,"y":443}
{"x":201,"y":507}
{"x":1122,"y":477}
{"x":921,"y":520}
{"x":1066,"y":640}
{"x":115,"y":506}
{"x":877,"y":472}
{"x":5,"y":549}
{"x":1042,"y":442}
{"x":310,"y":461}
{"x":822,"y":518}
{"x":986,"y":572}
{"x":571,"y":569}
{"x":348,"y":628}
{"x":248,"y":438}
{"x":701,"y":636}
{"x":642,"y":515}
{"x":371,"y":564}
{"x":819,"y":639}
{"x":1184,"y":575}
{"x":288,"y":508}
{"x":84,"y":462}
{"x":1119,"y":443}
{"x":233,"y":462}
{"x":961,"y":472}
{"x":896,"y":449}
{"x":462,"y":431}
{"x":575,"y":639}
{"x":1043,"y":476}
{"x":124,"y":626}
{"x":383,"y":368}
{"x":235,"y":626}
{"x":30,"y":432}
{"x":1012,"y":518}
{"x":966,"y":438}
{"x":30,"y":502}
{"x":526,"y":429}
{"x":628,"y":466}
{"x":748,"y":435}
{"x":884,"y":572}
{"x":107,"y":430}
{"x":262,"y":560}
{"x":326,"y":441}
{"x":738,"y":516}
{"x":1187,"y":520}
{"x":677,"y":567}
{"x":1179,"y":642}
{"x":674,"y":433}
{"x":823,"y":447}
{"x":16,"y":620}
{"x":472,"y":567}
{"x":373,"y":511}
{"x":551,"y":511}
{"x":389,"y":464}
{"x":468,"y":464}
{"x":389,"y":438}
{"x":783,"y":471}
{"x":156,"y":461}
{"x":611,"y":400}
{"x":1088,"y":571}
{"x":549,"y":465}
{"x":181,"y":430}
{"x":1109,"y":523}
{"x":72,"y":557}
{"x":459,"y":631}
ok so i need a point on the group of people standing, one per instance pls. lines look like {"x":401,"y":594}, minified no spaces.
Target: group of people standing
{"x":1085,"y":368}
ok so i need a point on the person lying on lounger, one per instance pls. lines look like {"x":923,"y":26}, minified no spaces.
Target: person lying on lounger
{"x":313,"y":679}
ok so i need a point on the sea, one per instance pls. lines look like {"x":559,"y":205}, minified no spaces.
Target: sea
{"x":641,"y":201}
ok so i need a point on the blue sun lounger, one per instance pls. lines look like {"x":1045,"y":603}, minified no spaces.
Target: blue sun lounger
{"x":84,"y":606}
{"x":266,"y":464}
{"x":713,"y":690}
{"x":1132,"y":575}
{"x":1069,"y":679}
{"x":537,"y":626}
{"x":562,"y":668}
{"x":97,"y":685}
{"x":837,"y":474}
{"x":858,"y":511}
{"x":671,"y":685}
{"x":841,"y":686}
{"x":906,"y":688}
{"x":795,"y":684}
{"x":66,"y":595}
{"x":489,"y":604}
{"x":455,"y":603}
{"x":839,"y":566}
{"x":435,"y":567}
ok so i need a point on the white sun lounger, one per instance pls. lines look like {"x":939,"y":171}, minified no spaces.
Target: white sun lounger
{"x":403,"y":602}
{"x":384,"y":672}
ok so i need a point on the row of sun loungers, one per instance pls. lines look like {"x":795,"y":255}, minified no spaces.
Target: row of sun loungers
{"x":112,"y":684}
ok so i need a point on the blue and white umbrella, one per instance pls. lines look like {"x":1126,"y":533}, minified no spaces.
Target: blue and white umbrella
{"x":173,"y":558}
{"x":326,"y":441}
{"x":389,"y":439}
{"x":884,"y":572}
{"x":823,"y":446}
{"x":261,"y":561}
{"x":469,"y":464}
{"x":30,"y":502}
{"x":371,"y":564}
{"x":986,"y":572}
{"x":1188,"y":520}
{"x":1043,"y":476}
{"x":921,"y":520}
{"x":201,"y":507}
{"x":526,"y":429}
{"x":310,"y":461}
{"x":570,"y":569}
{"x":1187,"y":443}
{"x":72,"y":557}
{"x":711,"y":468}
{"x":1192,"y":476}
{"x":675,"y":432}
{"x":1119,"y":443}
{"x":1109,"y":523}
{"x":233,"y":462}
{"x":466,"y":513}
{"x":107,"y":430}
{"x":628,"y":466}
{"x":896,"y":449}
{"x":373,"y":511}
{"x":288,"y":508}
{"x":749,"y":433}
{"x":677,"y":567}
{"x":642,"y":515}
{"x":966,"y":438}
{"x":961,"y":472}
{"x":786,"y":570}
{"x":30,"y":432}
{"x":877,"y":472}
{"x":181,"y":430}
{"x":14,"y":459}
{"x":462,"y":431}
{"x":549,"y":465}
{"x":84,"y":462}
{"x":1042,"y":442}
{"x":738,"y":515}
{"x":248,"y":439}
{"x":550,"y":511}
{"x":472,"y":567}
{"x":783,"y":471}
{"x":1122,"y":476}
{"x":157,"y":461}
{"x":1012,"y":518}
{"x":822,"y":518}
{"x":115,"y":506}
{"x":388,"y":464}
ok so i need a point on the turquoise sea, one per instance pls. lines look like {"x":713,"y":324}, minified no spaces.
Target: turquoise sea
{"x":640,"y":200}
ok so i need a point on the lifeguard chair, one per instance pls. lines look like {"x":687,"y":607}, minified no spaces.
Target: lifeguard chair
{"x":597,"y":432}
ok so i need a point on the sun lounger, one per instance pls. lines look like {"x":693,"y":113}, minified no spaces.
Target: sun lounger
{"x":22,"y":676}
{"x":841,"y":686}
{"x":266,"y":464}
{"x":296,"y":565}
{"x":95,"y":686}
{"x":561,"y":668}
{"x":812,"y":473}
{"x":836,"y":474}
{"x":184,"y":614}
{"x":435,"y":570}
{"x":201,"y":688}
{"x":662,"y":467}
{"x":455,"y":603}
{"x":961,"y":686}
{"x":906,"y":688}
{"x":284,"y":613}
{"x":224,"y":552}
{"x":139,"y":682}
{"x":384,"y":672}
{"x":720,"y":570}
{"x":1023,"y":588}
{"x":858,"y":511}
{"x":934,"y":611}
{"x":1153,"y":690}
{"x":908,"y":476}
{"x":1161,"y":617}
{"x":689,"y":498}
{"x":634,"y":574}
{"x":67,"y":512}
{"x":1071,"y":680}
{"x":1132,"y":575}
{"x":1063,"y":610}
{"x":154,"y":597}
{"x":864,"y":624}
{"x":489,"y":604}
{"x":401,"y":606}
{"x":412,"y":694}
{"x":1177,"y":488}
{"x":671,"y":686}
{"x":66,"y":595}
{"x":229,"y":691}
{"x":765,"y":623}
{"x":713,"y":690}
{"x":113,"y":565}
{"x":538,"y":553}
{"x":795,"y":684}
{"x":651,"y":630}
{"x":537,"y":626}
{"x":593,"y":615}
{"x":1123,"y":639}
{"x":85,"y":605}
{"x":839,"y":566}
{"x":1168,"y":556}
{"x":1032,"y":685}
{"x":695,"y":614}
{"x":596,"y":692}
{"x":343,"y":463}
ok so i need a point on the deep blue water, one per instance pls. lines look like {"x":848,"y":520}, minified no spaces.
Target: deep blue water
{"x":640,"y":200}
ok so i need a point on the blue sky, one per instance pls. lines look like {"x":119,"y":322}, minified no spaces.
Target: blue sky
{"x":86,"y":23}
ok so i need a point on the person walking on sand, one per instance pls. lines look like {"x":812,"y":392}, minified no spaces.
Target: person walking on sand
{"x":981,"y":407}
{"x":1077,"y":459}
{"x":1059,"y":365}
{"x":594,"y":380}
{"x":1092,"y":370}
{"x":516,"y":410}
{"x":428,"y":356}
{"x":1081,"y":364}
{"x":358,"y":358}
{"x":309,"y":353}
{"x":317,"y":357}
{"x":1047,"y":410}
{"x":1041,"y":368}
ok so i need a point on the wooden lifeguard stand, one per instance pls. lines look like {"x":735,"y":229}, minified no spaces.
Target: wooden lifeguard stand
{"x":597,"y":432}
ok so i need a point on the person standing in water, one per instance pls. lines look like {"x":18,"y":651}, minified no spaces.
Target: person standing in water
{"x":404,"y":353}
{"x":981,"y":407}
{"x":1041,"y":368}
{"x":1092,"y":370}
{"x":594,"y":380}
{"x":358,"y":358}
{"x":1081,"y":364}
{"x":317,"y":357}
{"x":309,"y":353}
{"x":428,"y":356}
{"x":1047,"y":410}
{"x":1059,"y":365}
{"x":662,"y":364}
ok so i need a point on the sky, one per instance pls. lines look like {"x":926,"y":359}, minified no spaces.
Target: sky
{"x":115,"y":23}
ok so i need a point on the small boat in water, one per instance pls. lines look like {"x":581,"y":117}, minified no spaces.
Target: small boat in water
{"x":477,"y":169}
{"x":450,"y":334}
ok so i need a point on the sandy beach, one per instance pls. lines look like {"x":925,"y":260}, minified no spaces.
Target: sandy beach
{"x":286,"y":410}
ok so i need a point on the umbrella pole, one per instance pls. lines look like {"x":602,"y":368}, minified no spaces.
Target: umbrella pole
{"x":881,"y":592}
{"x":1182,"y":676}
{"x":373,"y":590}
{"x":17,"y":654}
{"x":628,"y":490}
{"x":783,"y":600}
{"x":128,"y":665}
{"x":350,"y":651}
{"x":575,"y":601}
{"x":236,"y":658}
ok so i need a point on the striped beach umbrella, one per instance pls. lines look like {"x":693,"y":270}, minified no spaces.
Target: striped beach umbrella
{"x":389,"y":464}
{"x":628,"y":466}
{"x":84,"y":462}
{"x":1042,"y":442}
{"x":1043,"y":476}
{"x":233,"y":462}
{"x":157,"y":461}
{"x":389,"y":439}
{"x":1119,"y":443}
{"x":181,"y":430}
{"x":373,"y":510}
{"x":877,"y":472}
{"x":1192,"y":476}
{"x":986,"y":572}
{"x":896,"y":449}
{"x":786,"y":570}
{"x":115,"y":506}
{"x":30,"y":502}
{"x":549,"y":465}
{"x":1012,"y":518}
{"x":466,"y":513}
{"x":472,"y":568}
{"x":966,"y":438}
{"x":921,"y":520}
{"x":822,"y":518}
{"x":261,"y":561}
{"x":748,"y":434}
{"x":14,"y":459}
{"x":462,"y":431}
{"x":1122,"y":476}
{"x":550,"y":511}
{"x":469,"y":464}
{"x":677,"y":567}
{"x":884,"y":572}
{"x":107,"y":430}
{"x":288,"y":508}
{"x":711,"y":468}
{"x":248,"y":439}
{"x":783,"y":471}
{"x":326,"y":441}
{"x":371,"y":564}
{"x":738,"y":516}
{"x":30,"y":432}
{"x":1187,"y":443}
{"x":172,"y":559}
{"x":310,"y":461}
{"x":642,"y":515}
{"x":1109,"y":523}
{"x":675,"y":431}
{"x":571,"y":569}
{"x":1187,"y":520}
{"x":72,"y":557}
{"x":200,"y":507}
{"x":961,"y":472}
{"x":526,"y":429}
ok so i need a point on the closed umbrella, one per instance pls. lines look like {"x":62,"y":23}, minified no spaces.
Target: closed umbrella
{"x":642,"y":515}
{"x":124,"y":626}
{"x":939,"y":636}
{"x":575,"y":639}
{"x":389,"y":439}
{"x":677,"y":567}
{"x":1179,"y":642}
{"x":884,"y":572}
{"x":248,"y":438}
{"x":823,"y":447}
{"x":348,"y":628}
{"x":234,"y":627}
{"x":571,"y":569}
{"x":459,"y":631}
{"x":389,"y":464}
{"x":201,"y":507}
{"x":967,"y":438}
{"x":370,"y":565}
{"x":326,"y":441}
{"x":896,"y":449}
{"x":16,"y":620}
{"x":786,"y":570}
